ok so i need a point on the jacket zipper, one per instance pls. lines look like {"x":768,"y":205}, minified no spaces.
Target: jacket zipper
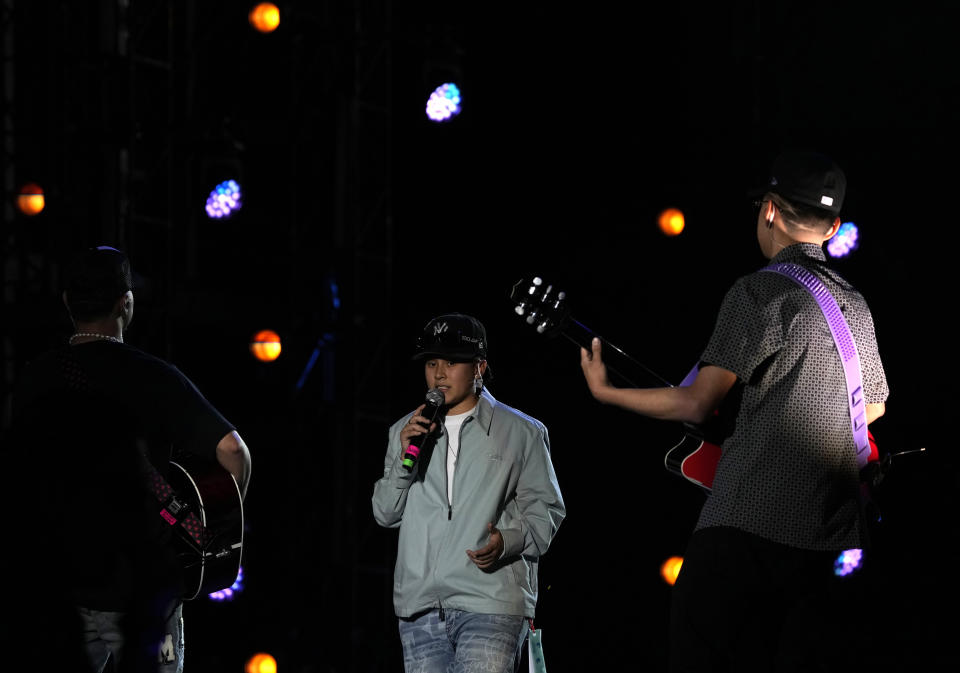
{"x":441,"y":615}
{"x":446,"y":462}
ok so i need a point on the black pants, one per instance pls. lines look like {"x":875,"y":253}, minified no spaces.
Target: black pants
{"x":743,"y":603}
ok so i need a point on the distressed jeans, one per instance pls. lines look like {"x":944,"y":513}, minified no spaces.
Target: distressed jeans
{"x":104,"y":637}
{"x":464,"y":642}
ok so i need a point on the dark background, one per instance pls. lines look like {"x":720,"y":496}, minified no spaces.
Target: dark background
{"x":362,"y":220}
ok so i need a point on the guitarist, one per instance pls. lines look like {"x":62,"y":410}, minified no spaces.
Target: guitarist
{"x":86,"y":416}
{"x":784,"y":501}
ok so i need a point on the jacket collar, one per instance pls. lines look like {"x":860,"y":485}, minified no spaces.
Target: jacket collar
{"x":486,"y":405}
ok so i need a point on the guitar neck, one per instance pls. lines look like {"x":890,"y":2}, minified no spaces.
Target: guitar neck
{"x":544,"y":306}
{"x":626,"y":367}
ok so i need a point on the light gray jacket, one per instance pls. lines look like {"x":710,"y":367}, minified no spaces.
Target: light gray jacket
{"x":503,"y":476}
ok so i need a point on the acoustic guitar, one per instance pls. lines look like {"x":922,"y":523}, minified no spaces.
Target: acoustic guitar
{"x":202,"y":503}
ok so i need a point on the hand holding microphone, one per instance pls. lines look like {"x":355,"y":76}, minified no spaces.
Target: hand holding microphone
{"x":419,"y":426}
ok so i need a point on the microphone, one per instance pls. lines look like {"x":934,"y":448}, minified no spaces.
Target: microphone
{"x":435,"y":400}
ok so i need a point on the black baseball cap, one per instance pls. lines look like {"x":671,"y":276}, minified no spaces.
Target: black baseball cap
{"x":98,"y":274}
{"x":806,"y":178}
{"x":452,"y":335}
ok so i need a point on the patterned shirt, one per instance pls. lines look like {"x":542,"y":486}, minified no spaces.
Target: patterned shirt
{"x":788,"y":471}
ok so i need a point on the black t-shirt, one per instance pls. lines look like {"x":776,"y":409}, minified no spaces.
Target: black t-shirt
{"x":83,"y":417}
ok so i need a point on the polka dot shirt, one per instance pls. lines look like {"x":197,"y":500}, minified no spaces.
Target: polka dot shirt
{"x":788,"y":471}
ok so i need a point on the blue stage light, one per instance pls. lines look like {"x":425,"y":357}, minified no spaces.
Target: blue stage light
{"x":224,"y":200}
{"x":231,"y":591}
{"x":844,"y":241}
{"x":444,"y":103}
{"x":848,"y":562}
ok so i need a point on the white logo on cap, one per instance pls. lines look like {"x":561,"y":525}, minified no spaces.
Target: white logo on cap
{"x":440,"y":328}
{"x":826,"y":200}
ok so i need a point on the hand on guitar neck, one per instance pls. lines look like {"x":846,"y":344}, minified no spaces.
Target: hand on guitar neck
{"x":544,"y":308}
{"x":688,"y":404}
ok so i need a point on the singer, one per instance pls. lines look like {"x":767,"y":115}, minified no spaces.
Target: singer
{"x":479,"y":507}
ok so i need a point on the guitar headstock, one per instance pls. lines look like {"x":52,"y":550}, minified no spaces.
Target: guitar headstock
{"x":540,"y":304}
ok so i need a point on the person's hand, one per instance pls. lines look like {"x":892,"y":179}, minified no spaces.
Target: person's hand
{"x":594,"y":371}
{"x":488,"y":555}
{"x":415,"y":427}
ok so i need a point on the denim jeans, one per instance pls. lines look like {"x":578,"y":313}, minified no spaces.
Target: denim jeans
{"x":464,"y":642}
{"x":105,"y":637}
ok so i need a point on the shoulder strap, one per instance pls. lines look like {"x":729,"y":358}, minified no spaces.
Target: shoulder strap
{"x":846,"y":346}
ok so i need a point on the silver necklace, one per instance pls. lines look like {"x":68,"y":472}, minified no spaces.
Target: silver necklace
{"x":106,"y":337}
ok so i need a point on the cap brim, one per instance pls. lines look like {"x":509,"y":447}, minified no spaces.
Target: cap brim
{"x":466,"y":356}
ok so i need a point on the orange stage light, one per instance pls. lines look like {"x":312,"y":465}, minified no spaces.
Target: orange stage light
{"x":670,"y":569}
{"x":671,"y":221}
{"x":31,"y":200}
{"x":265,"y":345}
{"x":265,"y":17}
{"x":261,"y":663}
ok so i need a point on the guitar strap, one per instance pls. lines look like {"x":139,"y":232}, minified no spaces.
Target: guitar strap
{"x":174,"y":509}
{"x":846,"y":346}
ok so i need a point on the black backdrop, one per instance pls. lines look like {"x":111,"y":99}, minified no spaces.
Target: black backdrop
{"x":580,"y":124}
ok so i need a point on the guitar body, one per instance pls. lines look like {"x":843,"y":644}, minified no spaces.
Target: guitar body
{"x":210,"y":541}
{"x":695,"y":459}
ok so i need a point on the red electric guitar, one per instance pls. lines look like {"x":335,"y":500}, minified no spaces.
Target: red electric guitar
{"x":544,"y":308}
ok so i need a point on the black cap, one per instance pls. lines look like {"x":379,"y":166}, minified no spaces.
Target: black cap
{"x":95,"y":279}
{"x":453,"y":335}
{"x":807,"y":178}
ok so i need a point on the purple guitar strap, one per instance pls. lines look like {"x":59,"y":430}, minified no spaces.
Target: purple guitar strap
{"x":846,"y":346}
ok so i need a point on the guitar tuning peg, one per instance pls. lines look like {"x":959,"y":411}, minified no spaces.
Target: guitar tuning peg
{"x":520,"y":309}
{"x":542,"y":327}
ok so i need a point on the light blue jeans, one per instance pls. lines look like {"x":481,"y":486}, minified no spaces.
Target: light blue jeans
{"x":464,"y":642}
{"x":104,"y":639}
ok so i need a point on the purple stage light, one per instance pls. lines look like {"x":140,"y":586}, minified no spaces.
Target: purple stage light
{"x":228,"y":593}
{"x":844,"y":241}
{"x":444,"y":103}
{"x":224,"y":199}
{"x":848,"y":562}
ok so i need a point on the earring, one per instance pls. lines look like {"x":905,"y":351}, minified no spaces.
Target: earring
{"x":477,"y":385}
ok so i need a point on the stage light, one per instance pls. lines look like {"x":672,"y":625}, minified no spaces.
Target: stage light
{"x":31,"y":200}
{"x":265,"y":345}
{"x":848,"y":562}
{"x":224,"y":200}
{"x":670,"y":569}
{"x":844,"y":241}
{"x":265,"y":17}
{"x":231,"y":591}
{"x":261,"y":663}
{"x":671,"y":222}
{"x":444,"y":103}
